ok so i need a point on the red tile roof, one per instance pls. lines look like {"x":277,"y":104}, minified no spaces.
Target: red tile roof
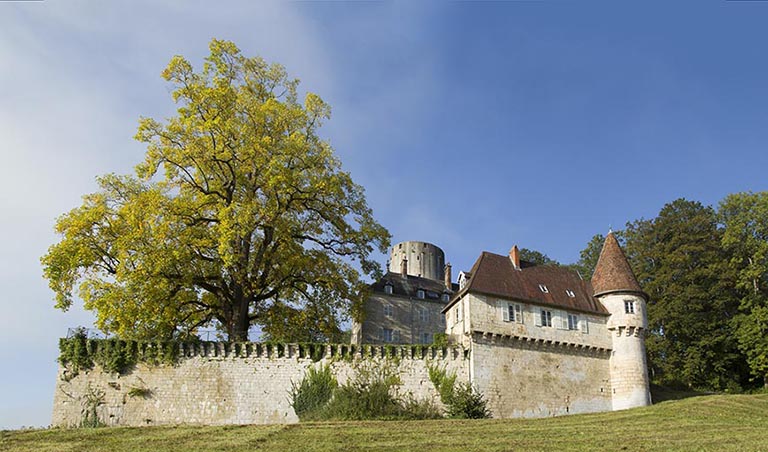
{"x":495,"y":275}
{"x":612,"y":272}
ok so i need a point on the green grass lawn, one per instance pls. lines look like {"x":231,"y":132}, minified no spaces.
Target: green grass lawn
{"x":713,"y":422}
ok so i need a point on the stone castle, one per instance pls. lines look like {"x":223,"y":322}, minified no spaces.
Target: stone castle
{"x":535,"y":340}
{"x":541,"y":340}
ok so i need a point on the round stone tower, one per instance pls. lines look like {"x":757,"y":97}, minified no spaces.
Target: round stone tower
{"x":422,"y":259}
{"x":617,"y":289}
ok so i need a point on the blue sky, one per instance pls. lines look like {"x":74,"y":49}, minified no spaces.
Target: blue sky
{"x":474,"y":126}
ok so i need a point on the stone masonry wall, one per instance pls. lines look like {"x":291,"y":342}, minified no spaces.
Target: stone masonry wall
{"x":213,"y":385}
{"x":410,"y":319}
{"x":535,"y":378}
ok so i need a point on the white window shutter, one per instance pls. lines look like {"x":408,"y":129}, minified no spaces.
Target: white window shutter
{"x":584,"y":326}
{"x":518,"y":313}
{"x":537,"y":316}
{"x":557,"y":320}
{"x":504,"y":311}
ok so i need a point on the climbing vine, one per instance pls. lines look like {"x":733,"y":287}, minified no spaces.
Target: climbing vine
{"x":91,"y":400}
{"x":78,"y":353}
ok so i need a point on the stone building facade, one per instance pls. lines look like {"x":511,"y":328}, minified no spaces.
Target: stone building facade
{"x":405,"y":306}
{"x":543,"y":341}
{"x":536,"y":341}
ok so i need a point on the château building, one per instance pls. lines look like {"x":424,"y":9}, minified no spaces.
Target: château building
{"x":538,"y":335}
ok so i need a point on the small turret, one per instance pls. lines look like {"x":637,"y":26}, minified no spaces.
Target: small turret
{"x":616,"y":287}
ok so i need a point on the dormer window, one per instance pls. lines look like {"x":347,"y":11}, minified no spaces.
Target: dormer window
{"x":388,"y":289}
{"x":420,"y":294}
{"x":463,"y":279}
{"x":570,"y":293}
{"x":543,"y":288}
{"x":445,"y":297}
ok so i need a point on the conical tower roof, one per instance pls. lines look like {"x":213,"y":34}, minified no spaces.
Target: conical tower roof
{"x":613,"y":273}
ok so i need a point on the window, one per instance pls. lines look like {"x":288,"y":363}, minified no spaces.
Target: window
{"x":388,"y":310}
{"x":388,"y":289}
{"x":629,"y":306}
{"x":387,"y":334}
{"x":425,"y":338}
{"x":423,"y":316}
{"x":570,"y":293}
{"x":573,"y":322}
{"x":546,"y":318}
{"x":512,"y":312}
{"x":543,"y":288}
{"x":420,"y":294}
{"x":445,"y":297}
{"x":458,"y":313}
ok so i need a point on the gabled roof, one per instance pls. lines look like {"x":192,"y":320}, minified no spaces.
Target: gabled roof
{"x":612,"y":272}
{"x":407,"y":286}
{"x":494,"y":275}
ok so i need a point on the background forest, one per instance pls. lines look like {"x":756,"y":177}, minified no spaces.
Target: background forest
{"x":705,"y":270}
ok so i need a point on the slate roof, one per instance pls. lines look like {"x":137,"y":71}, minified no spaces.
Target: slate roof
{"x":407,"y":286}
{"x":612,"y":272}
{"x":494,"y":275}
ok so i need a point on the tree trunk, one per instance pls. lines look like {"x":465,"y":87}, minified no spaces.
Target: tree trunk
{"x":240,"y":323}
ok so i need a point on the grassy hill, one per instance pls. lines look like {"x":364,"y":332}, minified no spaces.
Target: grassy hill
{"x":715,"y":422}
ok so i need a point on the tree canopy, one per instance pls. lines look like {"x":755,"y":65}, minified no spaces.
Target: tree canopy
{"x":745,"y":216}
{"x":536,"y":257}
{"x":238,"y":212}
{"x":589,"y":256}
{"x":678,"y":260}
{"x":706,"y":273}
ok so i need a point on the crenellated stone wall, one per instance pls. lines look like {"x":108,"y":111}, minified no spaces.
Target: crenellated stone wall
{"x":528,"y":377}
{"x":216,"y":383}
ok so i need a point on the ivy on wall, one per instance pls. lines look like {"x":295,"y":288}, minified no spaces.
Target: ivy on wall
{"x":79,"y":353}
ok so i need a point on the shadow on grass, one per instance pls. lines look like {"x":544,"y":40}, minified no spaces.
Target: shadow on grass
{"x":663,"y":393}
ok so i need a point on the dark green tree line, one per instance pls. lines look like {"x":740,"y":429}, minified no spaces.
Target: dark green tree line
{"x":706,"y":273}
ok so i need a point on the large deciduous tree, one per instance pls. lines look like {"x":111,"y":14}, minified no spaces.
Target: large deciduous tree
{"x":745,"y":216}
{"x":679,"y":262}
{"x":238,"y":210}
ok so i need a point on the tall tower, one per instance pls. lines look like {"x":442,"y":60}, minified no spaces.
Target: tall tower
{"x":617,"y":289}
{"x":422,"y":259}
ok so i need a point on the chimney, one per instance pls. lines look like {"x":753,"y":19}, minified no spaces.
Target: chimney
{"x":404,"y":267}
{"x":448,"y":278}
{"x":514,"y":256}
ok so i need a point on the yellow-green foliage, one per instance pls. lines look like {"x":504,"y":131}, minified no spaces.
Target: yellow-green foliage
{"x":370,"y":394}
{"x":462,"y":400}
{"x":239,"y":208}
{"x":314,"y":391}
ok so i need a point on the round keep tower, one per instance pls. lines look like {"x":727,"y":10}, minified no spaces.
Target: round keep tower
{"x":422,"y":259}
{"x":616,"y":287}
